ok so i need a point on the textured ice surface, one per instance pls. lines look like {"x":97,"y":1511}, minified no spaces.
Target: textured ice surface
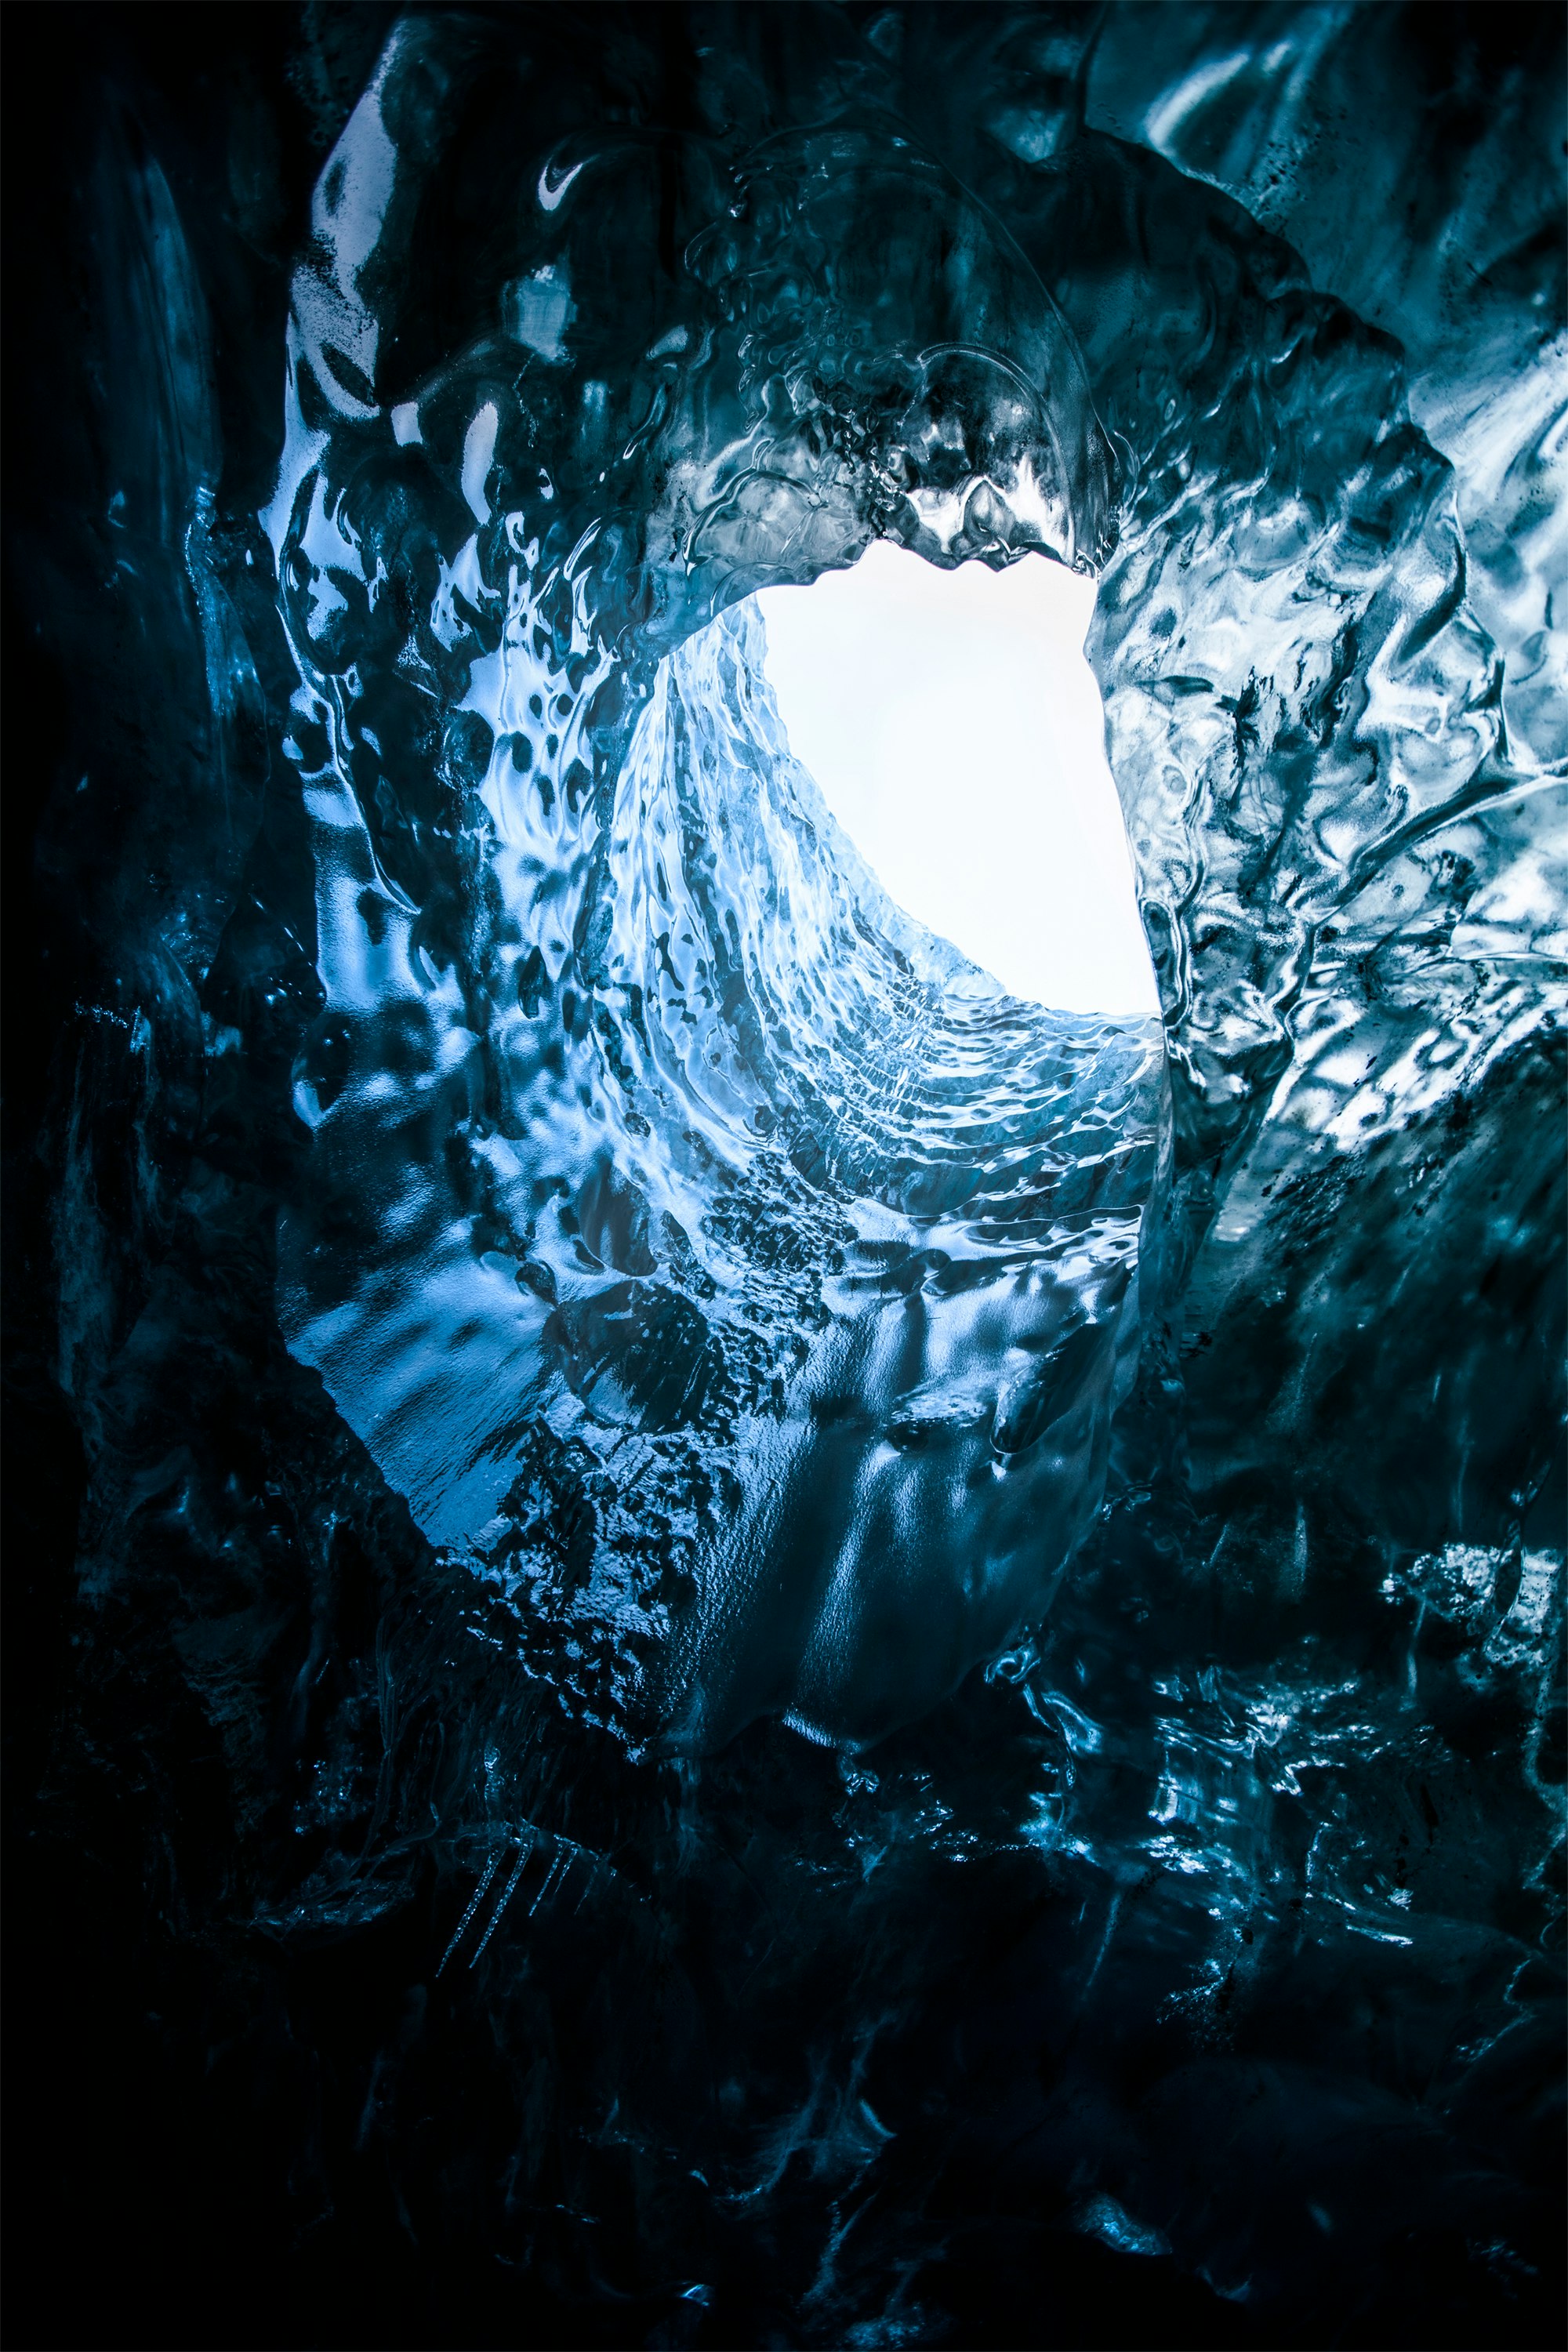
{"x":798,"y":1233}
{"x":556,"y":1281}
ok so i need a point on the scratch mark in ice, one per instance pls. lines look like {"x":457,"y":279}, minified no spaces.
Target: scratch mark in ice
{"x":524,"y":1849}
{"x":476,"y":1898}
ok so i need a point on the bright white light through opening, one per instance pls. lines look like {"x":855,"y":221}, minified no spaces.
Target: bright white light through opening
{"x":956,"y":732}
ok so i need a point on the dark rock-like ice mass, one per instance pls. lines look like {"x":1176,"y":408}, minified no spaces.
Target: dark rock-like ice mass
{"x":717,"y":1639}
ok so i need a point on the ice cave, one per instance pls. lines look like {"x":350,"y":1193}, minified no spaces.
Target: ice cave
{"x":785,"y":1238}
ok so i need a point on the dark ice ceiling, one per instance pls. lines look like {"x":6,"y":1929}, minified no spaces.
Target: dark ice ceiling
{"x":718,"y":1641}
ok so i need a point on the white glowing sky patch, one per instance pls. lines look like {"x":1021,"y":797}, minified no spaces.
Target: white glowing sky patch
{"x":956,"y":732}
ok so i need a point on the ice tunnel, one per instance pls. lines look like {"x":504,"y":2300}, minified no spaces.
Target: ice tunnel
{"x":824,"y":1583}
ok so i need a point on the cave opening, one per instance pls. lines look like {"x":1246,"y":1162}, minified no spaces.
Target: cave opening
{"x":957,"y":734}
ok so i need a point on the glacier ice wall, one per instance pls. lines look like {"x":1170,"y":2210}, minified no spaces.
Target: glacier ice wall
{"x":547,"y":1285}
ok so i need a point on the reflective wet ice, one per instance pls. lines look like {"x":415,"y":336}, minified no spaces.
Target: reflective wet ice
{"x":891,"y":1596}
